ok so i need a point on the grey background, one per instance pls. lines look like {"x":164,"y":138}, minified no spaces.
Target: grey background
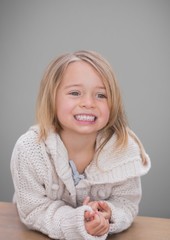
{"x":135,"y":38}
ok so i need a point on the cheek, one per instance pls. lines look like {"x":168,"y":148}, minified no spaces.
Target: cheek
{"x":106,"y":113}
{"x":59,"y":108}
{"x":63,"y":107}
{"x":107,"y":116}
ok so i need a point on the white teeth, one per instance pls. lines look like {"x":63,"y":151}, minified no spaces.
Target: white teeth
{"x":88,"y":118}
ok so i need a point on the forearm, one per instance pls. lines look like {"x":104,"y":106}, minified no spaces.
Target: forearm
{"x":56,"y":220}
{"x":124,"y":204}
{"x":42,"y":216}
{"x":64,"y":222}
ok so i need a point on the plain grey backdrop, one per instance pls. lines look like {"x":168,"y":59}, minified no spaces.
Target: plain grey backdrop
{"x":133,"y":35}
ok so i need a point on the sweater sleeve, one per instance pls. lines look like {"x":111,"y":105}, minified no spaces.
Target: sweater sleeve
{"x":36,"y":210}
{"x":124,"y":203}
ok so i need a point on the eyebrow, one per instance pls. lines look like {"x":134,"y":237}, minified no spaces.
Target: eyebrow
{"x":80,"y":85}
{"x":73,"y":85}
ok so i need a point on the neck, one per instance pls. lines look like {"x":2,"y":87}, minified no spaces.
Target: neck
{"x":77,"y":142}
{"x":80,"y":148}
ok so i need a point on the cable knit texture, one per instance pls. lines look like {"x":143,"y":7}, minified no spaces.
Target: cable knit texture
{"x":47,"y":199}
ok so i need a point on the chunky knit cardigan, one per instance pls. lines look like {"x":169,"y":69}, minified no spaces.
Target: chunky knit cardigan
{"x":47,"y":199}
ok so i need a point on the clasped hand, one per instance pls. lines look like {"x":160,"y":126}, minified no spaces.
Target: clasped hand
{"x":97,"y":220}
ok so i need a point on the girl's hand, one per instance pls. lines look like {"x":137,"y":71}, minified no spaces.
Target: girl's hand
{"x":95,"y":223}
{"x":104,"y":208}
{"x":100,"y":206}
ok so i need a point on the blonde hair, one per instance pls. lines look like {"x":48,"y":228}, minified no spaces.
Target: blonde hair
{"x":46,"y":109}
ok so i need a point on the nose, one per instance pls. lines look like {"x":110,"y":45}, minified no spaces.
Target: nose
{"x":87,"y":101}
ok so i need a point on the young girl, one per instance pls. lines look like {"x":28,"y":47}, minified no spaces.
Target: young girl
{"x":77,"y":172}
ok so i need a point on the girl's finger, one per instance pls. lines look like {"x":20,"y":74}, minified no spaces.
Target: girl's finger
{"x":101,"y":225}
{"x":103,"y":205}
{"x":86,"y":200}
{"x":94,"y":205}
{"x":89,"y":216}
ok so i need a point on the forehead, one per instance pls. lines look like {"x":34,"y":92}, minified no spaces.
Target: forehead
{"x":80,"y":66}
{"x":81,"y":71}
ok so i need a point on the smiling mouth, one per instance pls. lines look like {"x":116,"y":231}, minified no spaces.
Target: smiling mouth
{"x":85,"y":118}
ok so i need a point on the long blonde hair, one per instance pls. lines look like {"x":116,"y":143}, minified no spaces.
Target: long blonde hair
{"x":46,"y":109}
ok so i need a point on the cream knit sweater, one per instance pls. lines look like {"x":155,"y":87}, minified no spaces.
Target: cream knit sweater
{"x":47,"y":199}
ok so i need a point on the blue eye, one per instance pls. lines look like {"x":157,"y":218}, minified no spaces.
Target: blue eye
{"x":101,"y":95}
{"x":74,"y":93}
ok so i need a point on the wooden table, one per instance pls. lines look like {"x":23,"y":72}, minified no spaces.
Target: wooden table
{"x":143,"y":228}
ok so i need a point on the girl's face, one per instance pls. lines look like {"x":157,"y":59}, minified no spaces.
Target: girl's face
{"x":81,"y":102}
